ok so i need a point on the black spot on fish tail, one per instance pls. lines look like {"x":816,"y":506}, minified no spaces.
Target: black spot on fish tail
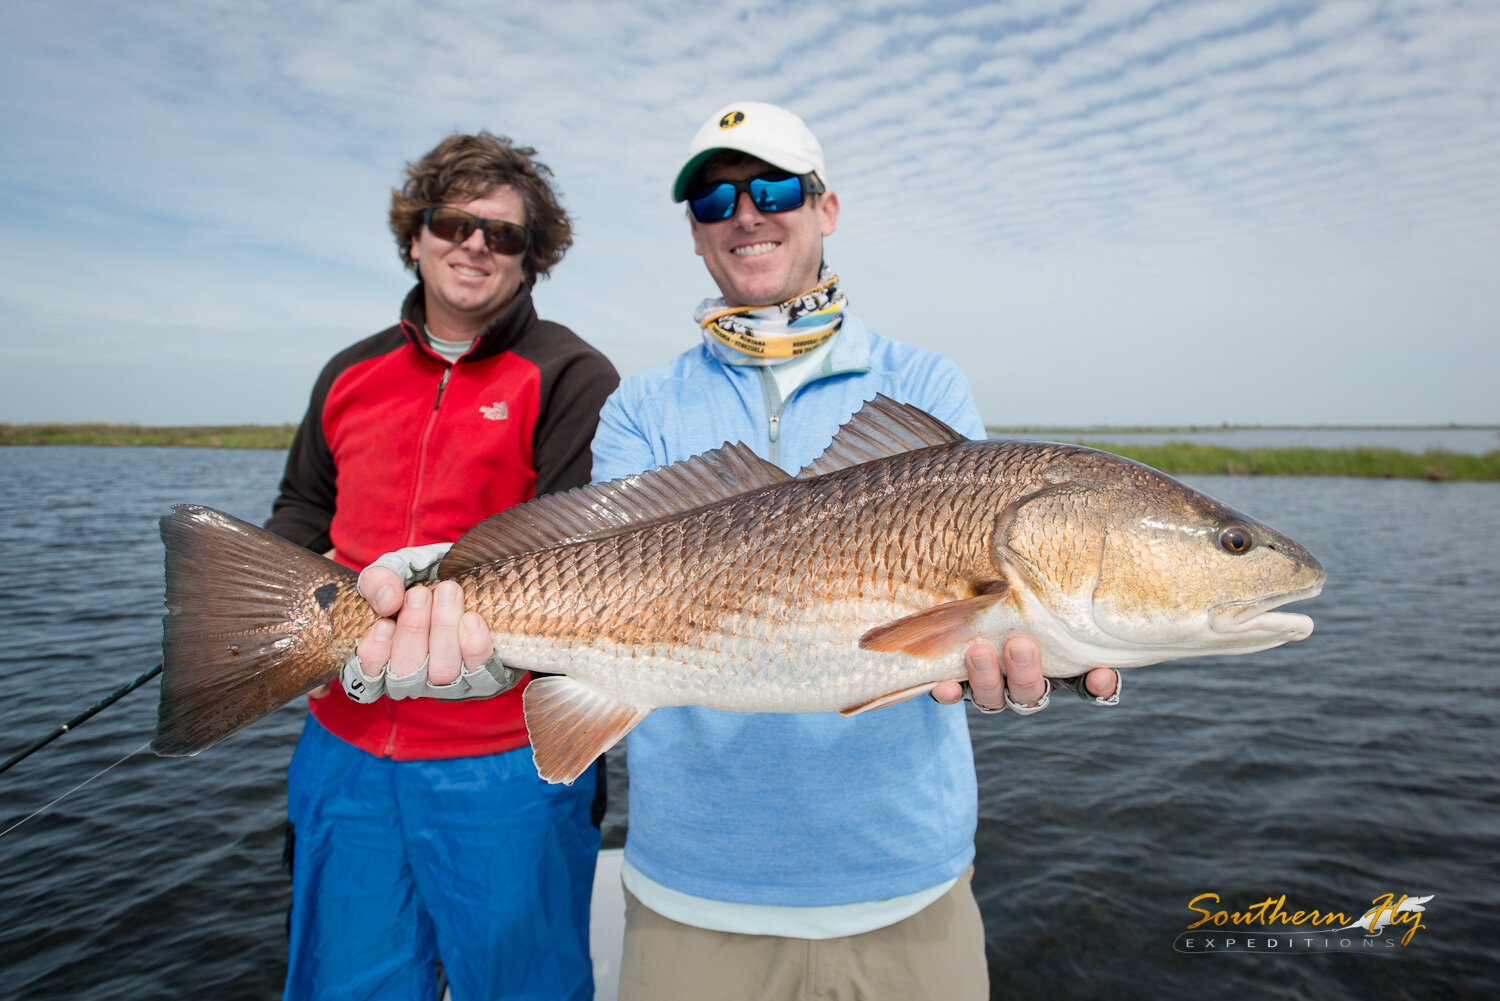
{"x":325,"y":595}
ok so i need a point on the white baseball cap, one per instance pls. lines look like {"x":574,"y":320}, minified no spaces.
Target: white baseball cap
{"x":771,"y":133}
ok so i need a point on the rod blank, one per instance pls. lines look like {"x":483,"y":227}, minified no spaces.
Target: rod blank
{"x":63,"y":728}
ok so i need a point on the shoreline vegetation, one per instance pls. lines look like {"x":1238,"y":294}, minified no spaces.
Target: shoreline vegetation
{"x":1176,"y":458}
{"x":274,"y":436}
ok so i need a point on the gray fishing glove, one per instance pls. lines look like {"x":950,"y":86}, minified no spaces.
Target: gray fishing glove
{"x":413,"y":565}
{"x":1075,"y":685}
{"x":488,"y":679}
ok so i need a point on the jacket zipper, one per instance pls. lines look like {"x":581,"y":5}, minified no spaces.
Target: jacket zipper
{"x":775,"y":405}
{"x":411,"y":513}
{"x":432,"y":419}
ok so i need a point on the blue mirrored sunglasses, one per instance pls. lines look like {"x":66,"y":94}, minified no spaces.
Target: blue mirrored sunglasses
{"x":778,"y":192}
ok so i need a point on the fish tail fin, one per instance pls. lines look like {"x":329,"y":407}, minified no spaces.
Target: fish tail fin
{"x":252,"y":622}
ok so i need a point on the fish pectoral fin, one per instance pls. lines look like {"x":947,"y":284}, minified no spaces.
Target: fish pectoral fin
{"x":571,"y":724}
{"x":889,"y":699}
{"x":933,"y":632}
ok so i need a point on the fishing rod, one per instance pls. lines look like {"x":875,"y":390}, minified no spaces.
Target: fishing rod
{"x":63,"y":728}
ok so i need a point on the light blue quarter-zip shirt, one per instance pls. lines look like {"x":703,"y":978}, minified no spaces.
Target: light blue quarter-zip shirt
{"x":792,"y":809}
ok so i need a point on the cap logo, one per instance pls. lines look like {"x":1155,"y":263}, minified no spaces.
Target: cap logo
{"x":732,"y":119}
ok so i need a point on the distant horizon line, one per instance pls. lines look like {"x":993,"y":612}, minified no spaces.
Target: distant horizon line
{"x":1021,"y":429}
{"x":1164,"y":428}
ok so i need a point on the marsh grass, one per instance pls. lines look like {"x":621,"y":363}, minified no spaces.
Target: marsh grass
{"x":1177,"y":458}
{"x":277,"y":436}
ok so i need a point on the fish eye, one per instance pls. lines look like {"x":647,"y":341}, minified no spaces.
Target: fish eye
{"x":1236,"y":540}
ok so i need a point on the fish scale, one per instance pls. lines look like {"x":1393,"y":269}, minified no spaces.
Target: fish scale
{"x":743,"y":582}
{"x":722,"y":582}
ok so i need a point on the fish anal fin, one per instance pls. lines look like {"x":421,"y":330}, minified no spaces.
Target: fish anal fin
{"x":571,"y":724}
{"x":889,"y":699}
{"x":933,"y":632}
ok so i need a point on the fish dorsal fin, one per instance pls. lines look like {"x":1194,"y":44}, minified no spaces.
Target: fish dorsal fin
{"x":604,"y":508}
{"x":881,"y":428}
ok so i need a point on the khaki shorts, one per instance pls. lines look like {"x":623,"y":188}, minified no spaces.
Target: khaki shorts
{"x":936,"y":954}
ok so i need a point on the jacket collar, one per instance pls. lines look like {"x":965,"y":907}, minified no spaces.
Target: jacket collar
{"x":851,"y":348}
{"x":500,"y":334}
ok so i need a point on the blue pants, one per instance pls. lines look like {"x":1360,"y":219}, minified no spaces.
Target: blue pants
{"x":473,"y":860}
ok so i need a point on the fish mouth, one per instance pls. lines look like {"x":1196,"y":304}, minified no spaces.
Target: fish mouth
{"x":1257,"y":615}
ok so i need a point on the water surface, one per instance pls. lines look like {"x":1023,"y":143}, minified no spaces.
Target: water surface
{"x":1357,"y":763}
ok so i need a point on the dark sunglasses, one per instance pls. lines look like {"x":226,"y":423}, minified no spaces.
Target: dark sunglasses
{"x":456,"y":225}
{"x":778,"y":192}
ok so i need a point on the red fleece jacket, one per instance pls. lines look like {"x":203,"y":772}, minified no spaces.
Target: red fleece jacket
{"x":398,"y":448}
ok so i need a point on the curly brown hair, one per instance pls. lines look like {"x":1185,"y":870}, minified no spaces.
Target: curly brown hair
{"x":464,"y":167}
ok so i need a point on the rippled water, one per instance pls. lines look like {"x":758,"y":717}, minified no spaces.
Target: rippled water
{"x":1360,"y":762}
{"x":1357,"y":763}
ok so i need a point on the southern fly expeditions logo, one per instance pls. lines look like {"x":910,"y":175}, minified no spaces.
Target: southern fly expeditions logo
{"x":1272,"y":926}
{"x":732,"y":119}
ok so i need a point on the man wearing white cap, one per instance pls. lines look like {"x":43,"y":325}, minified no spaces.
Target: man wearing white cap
{"x":774,"y":856}
{"x":767,"y":852}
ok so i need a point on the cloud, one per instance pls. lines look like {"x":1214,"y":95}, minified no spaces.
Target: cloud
{"x":1078,"y":195}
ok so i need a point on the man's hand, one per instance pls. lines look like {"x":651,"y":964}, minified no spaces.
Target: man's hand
{"x":430,"y":625}
{"x":383,"y":589}
{"x":1020,"y":670}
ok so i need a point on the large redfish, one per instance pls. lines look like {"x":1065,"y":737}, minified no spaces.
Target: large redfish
{"x":723,"y":582}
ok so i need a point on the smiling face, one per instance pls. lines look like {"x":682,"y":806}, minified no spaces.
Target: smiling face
{"x":467,"y":284}
{"x":760,"y":258}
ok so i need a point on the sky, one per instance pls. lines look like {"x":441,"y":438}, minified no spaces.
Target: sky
{"x":1107,"y":212}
